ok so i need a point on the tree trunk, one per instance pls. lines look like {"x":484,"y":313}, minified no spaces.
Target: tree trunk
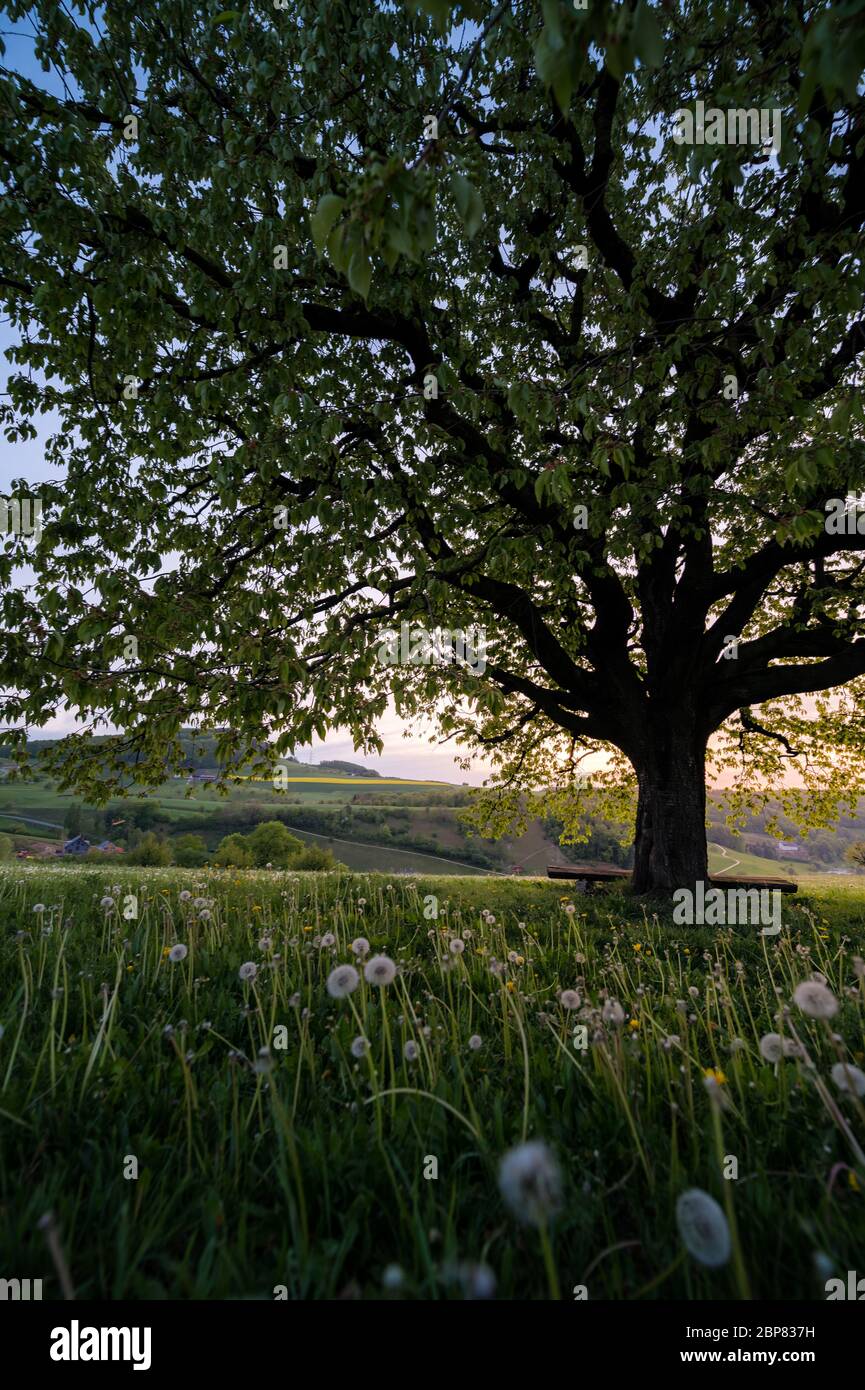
{"x":670,"y":844}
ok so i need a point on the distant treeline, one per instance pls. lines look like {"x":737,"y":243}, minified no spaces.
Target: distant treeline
{"x":602,"y":847}
{"x":351,"y":769}
{"x":127,"y":822}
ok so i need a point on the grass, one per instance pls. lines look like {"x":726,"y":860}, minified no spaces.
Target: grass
{"x":311,"y":1170}
{"x":731,"y":862}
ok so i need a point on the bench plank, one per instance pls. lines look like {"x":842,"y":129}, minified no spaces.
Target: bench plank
{"x":785,"y":885}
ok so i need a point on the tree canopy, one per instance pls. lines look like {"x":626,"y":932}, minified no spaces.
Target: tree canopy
{"x":349,"y":315}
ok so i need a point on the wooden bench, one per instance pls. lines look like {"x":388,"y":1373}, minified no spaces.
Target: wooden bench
{"x":785,"y":885}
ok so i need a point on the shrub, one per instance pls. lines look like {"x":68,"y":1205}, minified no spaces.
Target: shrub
{"x":233,"y":853}
{"x":272,"y":843}
{"x":150,"y":852}
{"x":190,"y":851}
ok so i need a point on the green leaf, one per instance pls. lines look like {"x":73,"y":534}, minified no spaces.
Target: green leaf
{"x":469,"y":202}
{"x":324,"y":219}
{"x":360,"y":273}
{"x":557,"y":69}
{"x":439,"y":10}
{"x":647,"y":37}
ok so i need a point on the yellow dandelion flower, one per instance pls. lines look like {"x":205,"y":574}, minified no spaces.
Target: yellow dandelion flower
{"x":852,"y":1180}
{"x":715,"y":1074}
{"x":510,"y":986}
{"x":481,"y":951}
{"x":634,"y":1023}
{"x":638,"y":945}
{"x":166,"y":950}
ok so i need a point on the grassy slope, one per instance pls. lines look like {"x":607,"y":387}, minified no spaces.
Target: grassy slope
{"x":248,"y":1181}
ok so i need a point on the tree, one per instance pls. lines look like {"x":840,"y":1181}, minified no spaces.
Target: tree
{"x":72,"y":819}
{"x":190,"y":851}
{"x":376,"y":319}
{"x":856,"y":854}
{"x":150,"y":851}
{"x":271,"y":843}
{"x":233,"y":852}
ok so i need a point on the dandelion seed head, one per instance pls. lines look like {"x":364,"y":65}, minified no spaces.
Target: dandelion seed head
{"x":530,"y":1182}
{"x":613,"y":1013}
{"x":703,"y":1228}
{"x":342,"y":981}
{"x":815,"y":999}
{"x":380,"y":970}
{"x":849,"y":1078}
{"x":772,"y":1047}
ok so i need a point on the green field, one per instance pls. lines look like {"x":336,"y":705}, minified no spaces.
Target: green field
{"x":311,"y":1170}
{"x":733,"y":861}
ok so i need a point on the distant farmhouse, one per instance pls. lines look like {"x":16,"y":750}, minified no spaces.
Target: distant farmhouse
{"x":193,"y":774}
{"x":789,"y":849}
{"x":78,"y":845}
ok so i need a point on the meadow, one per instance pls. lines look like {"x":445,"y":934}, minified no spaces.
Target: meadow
{"x":513,"y":1104}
